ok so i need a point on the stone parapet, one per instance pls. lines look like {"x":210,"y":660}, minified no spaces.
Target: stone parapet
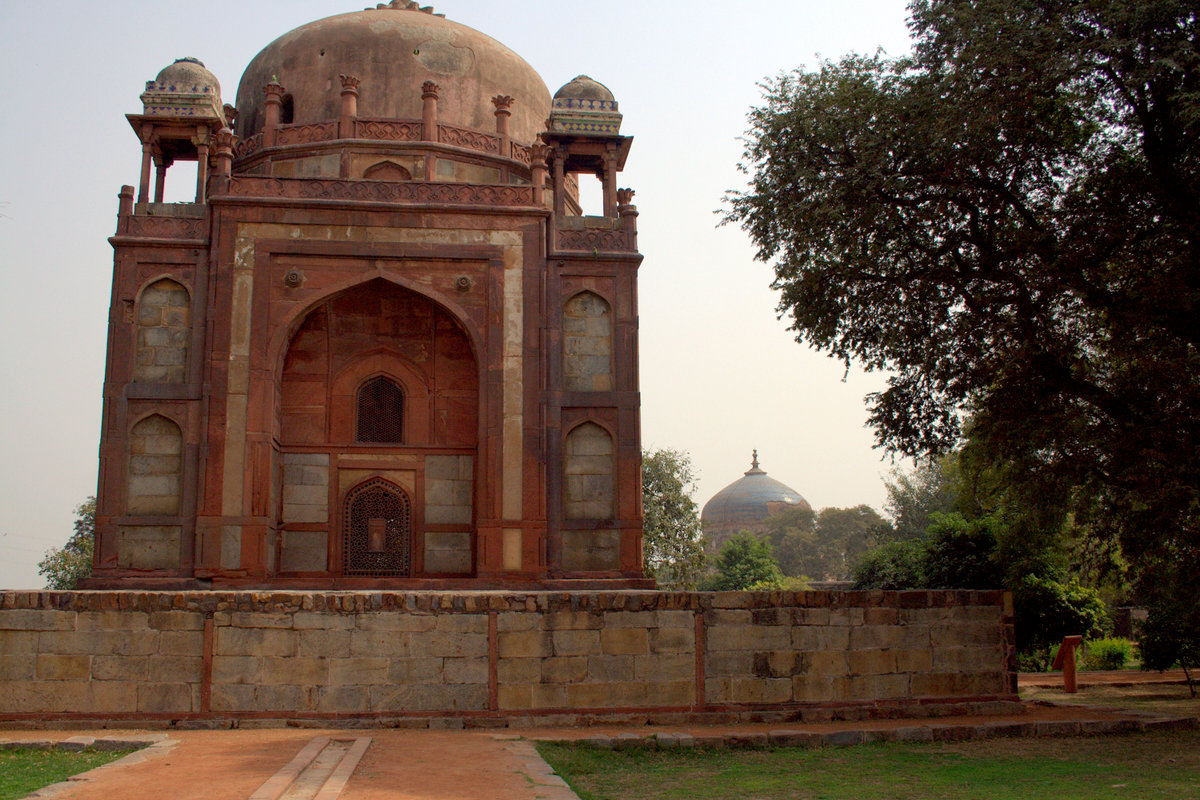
{"x":499,"y":657}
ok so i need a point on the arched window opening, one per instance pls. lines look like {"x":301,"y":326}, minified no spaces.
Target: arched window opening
{"x":587,"y":344}
{"x":588,"y":484}
{"x":376,"y":538}
{"x":387,"y":171}
{"x":155,"y":469}
{"x":163,"y":330}
{"x":287,"y":111}
{"x":380,"y":412}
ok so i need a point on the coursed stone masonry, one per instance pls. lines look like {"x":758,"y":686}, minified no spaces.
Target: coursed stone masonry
{"x":495,"y":658}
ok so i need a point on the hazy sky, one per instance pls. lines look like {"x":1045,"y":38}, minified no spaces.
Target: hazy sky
{"x":720,"y":374}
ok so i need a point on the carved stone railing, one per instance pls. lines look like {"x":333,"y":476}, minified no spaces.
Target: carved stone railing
{"x":245,"y":147}
{"x":164,"y":227}
{"x":468,"y":139}
{"x":388,"y":130}
{"x":593,"y":235}
{"x":306,"y":133}
{"x":380,"y":191}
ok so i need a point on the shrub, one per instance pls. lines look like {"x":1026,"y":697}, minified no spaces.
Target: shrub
{"x":894,"y":565}
{"x":1108,"y":653}
{"x":1046,"y":610}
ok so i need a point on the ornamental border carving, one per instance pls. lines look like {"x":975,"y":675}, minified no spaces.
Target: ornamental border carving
{"x":381,"y":191}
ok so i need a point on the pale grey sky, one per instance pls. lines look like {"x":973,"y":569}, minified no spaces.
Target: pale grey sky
{"x":720,"y":374}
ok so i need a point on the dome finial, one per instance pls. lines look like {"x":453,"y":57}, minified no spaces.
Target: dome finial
{"x":754,"y":468}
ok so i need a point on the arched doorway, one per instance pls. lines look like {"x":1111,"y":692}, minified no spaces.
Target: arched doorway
{"x":378,"y":433}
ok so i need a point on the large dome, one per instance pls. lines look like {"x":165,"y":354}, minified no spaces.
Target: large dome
{"x":747,"y":502}
{"x":393,"y":50}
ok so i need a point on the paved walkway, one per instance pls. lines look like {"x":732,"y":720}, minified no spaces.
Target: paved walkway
{"x":1121,"y":677}
{"x":474,"y":764}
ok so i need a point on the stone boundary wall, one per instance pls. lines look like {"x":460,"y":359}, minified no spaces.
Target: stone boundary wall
{"x":500,"y":658}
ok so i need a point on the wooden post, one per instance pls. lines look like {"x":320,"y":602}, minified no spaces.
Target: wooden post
{"x":1065,"y":660}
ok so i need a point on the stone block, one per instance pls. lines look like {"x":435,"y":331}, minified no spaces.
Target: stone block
{"x":316,"y":621}
{"x":382,"y":643}
{"x":751,"y":689}
{"x":591,"y":550}
{"x":736,"y":662}
{"x":112,"y":621}
{"x":762,"y":637}
{"x":874,"y":637}
{"x":870,"y":662}
{"x":624,"y":641}
{"x":119,"y":668}
{"x":448,"y":551}
{"x":526,"y":644}
{"x":519,"y":670}
{"x":17,"y":667}
{"x":914,"y":660}
{"x":810,"y":616}
{"x":610,"y":669}
{"x":233,"y":697}
{"x":343,"y":699}
{"x":33,"y":619}
{"x":16,"y":642}
{"x":63,"y":667}
{"x":664,"y":667}
{"x":255,"y":642}
{"x":304,"y":551}
{"x":174,"y":669}
{"x":465,"y":670}
{"x":328,"y":643}
{"x":150,"y":547}
{"x":176,"y":621}
{"x":297,"y":670}
{"x":260,"y":619}
{"x":573,"y":620}
{"x":564,"y":669}
{"x":517,"y":621}
{"x":452,"y":645}
{"x":165,"y":698}
{"x":396,"y":621}
{"x":123,"y":643}
{"x":462,"y":623}
{"x":830,"y":663}
{"x":575,"y":642}
{"x":672,"y":640}
{"x":685,"y":620}
{"x":629,"y":619}
{"x":280,"y":698}
{"x":236,"y":669}
{"x":367,"y":670}
{"x":415,"y":670}
{"x":515,"y":697}
{"x":815,"y":637}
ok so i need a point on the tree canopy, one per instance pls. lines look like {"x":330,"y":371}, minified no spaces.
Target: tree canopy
{"x":64,"y":567}
{"x":1006,"y":221}
{"x":671,"y":539}
{"x":744,"y":561}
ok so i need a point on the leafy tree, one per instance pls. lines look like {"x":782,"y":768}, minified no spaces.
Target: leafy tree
{"x":825,"y":545}
{"x":743,"y":561}
{"x":961,"y":554}
{"x":913,"y":497}
{"x":1006,"y":221}
{"x":892,"y":565}
{"x":671,"y":538}
{"x":64,"y":568}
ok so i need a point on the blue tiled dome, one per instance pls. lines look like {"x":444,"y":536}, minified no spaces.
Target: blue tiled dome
{"x":748,"y":501}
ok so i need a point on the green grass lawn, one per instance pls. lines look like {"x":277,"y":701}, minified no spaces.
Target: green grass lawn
{"x":1146,"y":766}
{"x":23,"y":771}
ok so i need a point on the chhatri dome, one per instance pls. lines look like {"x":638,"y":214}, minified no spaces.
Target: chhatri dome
{"x":746,"y":503}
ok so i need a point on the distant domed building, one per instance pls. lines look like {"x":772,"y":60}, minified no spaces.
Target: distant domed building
{"x":745,"y":505}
